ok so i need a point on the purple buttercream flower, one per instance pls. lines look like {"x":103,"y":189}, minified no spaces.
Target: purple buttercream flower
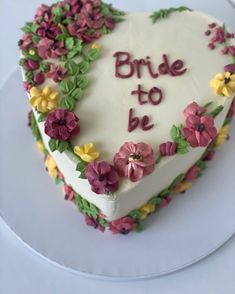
{"x":230,"y":68}
{"x":30,"y":64}
{"x":209,"y":155}
{"x":192,"y":173}
{"x":168,"y":148}
{"x":194,"y":109}
{"x":39,"y":78}
{"x":57,"y":73}
{"x":62,"y":124}
{"x":51,"y":49}
{"x":123,"y":225}
{"x":48,"y":30}
{"x":231,"y":112}
{"x":165,"y":201}
{"x":27,"y":86}
{"x":102,"y":177}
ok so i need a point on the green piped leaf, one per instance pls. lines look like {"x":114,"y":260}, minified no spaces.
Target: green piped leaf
{"x":81,"y":81}
{"x":62,"y":146}
{"x":66,"y":86}
{"x":42,"y":117}
{"x":93,"y":54}
{"x":34,"y":128}
{"x":67,"y":102}
{"x":163,"y":13}
{"x":52,"y":144}
{"x":83,"y":66}
{"x":77,"y":94}
{"x":71,"y":67}
{"x":216,"y":111}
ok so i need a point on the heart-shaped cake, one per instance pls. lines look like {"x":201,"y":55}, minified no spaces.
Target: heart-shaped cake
{"x":127,"y":107}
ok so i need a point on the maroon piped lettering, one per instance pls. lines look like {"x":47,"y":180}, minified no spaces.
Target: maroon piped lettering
{"x":139,"y":92}
{"x":177,"y":67}
{"x":149,"y":65}
{"x":152,"y":92}
{"x":133,"y":121}
{"x":144,"y":125}
{"x":138,"y":63}
{"x":123,"y":58}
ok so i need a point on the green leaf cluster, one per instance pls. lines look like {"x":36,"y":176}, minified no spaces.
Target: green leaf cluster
{"x":86,"y":207}
{"x":58,"y":145}
{"x":34,"y":127}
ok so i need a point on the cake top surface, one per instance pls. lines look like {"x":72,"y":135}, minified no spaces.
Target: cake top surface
{"x":98,"y":76}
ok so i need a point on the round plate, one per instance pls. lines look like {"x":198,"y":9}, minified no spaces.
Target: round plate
{"x":191,"y":227}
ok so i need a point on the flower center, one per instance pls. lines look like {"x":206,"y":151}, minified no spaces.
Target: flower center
{"x":134,"y":156}
{"x":101,"y":178}
{"x":20,"y":42}
{"x":53,"y":47}
{"x":226,"y":80}
{"x":62,"y":122}
{"x":201,"y":128}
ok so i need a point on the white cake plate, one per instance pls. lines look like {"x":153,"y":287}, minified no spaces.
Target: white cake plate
{"x":194,"y":225}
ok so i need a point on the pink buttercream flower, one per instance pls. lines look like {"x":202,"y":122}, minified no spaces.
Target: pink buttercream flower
{"x":230,"y":68}
{"x":51,"y":49}
{"x":168,"y":148}
{"x":231,"y":112}
{"x":75,"y":6}
{"x":90,"y":221}
{"x":48,"y":30}
{"x":165,"y":201}
{"x":123,"y":225}
{"x":77,"y":28}
{"x":134,"y":160}
{"x":199,"y":131}
{"x":192,"y":173}
{"x":91,"y":16}
{"x":30,"y":64}
{"x":102,"y":177}
{"x":57,"y":73}
{"x":62,"y":124}
{"x":27,"y":86}
{"x":69,"y":193}
{"x":220,"y":35}
{"x":194,"y":109}
{"x":231,"y":50}
{"x":44,"y":11}
{"x":26,"y":42}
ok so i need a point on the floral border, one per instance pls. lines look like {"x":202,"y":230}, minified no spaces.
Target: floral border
{"x":134,"y":220}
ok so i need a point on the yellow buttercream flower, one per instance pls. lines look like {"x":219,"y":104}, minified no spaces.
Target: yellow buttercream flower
{"x":146,"y":210}
{"x":87,"y":153}
{"x":222,"y":136}
{"x":44,"y":100}
{"x":96,"y":46}
{"x":182,"y":187}
{"x":40,"y":146}
{"x":224,"y":84}
{"x":51,"y":166}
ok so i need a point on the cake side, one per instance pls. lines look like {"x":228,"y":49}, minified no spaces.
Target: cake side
{"x":109,"y":129}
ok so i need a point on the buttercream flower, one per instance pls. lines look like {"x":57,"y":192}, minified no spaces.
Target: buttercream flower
{"x":90,"y":221}
{"x":87,"y":153}
{"x":62,"y":124}
{"x":222,"y":136}
{"x":69,"y":192}
{"x":48,"y":30}
{"x":57,"y":73}
{"x":194,"y":109}
{"x":192,"y":173}
{"x":231,"y":50}
{"x":48,"y":48}
{"x":165,"y":201}
{"x":168,"y":148}
{"x":199,"y":131}
{"x":102,"y":177}
{"x":182,"y":187}
{"x":224,"y":84}
{"x":27,"y":86}
{"x":123,"y":225}
{"x":231,"y":112}
{"x":30,"y":64}
{"x":146,"y":210}
{"x":25,"y":42}
{"x":230,"y":68}
{"x":134,"y":160}
{"x":51,"y":166}
{"x":44,"y":11}
{"x":44,"y":100}
{"x":209,"y":155}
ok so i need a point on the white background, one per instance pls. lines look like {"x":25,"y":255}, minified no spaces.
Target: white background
{"x":22,"y":272}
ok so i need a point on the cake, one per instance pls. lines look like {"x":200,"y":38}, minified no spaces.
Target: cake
{"x":127,"y":108}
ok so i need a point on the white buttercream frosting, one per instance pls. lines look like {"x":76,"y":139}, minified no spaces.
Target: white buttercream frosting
{"x":103,"y":112}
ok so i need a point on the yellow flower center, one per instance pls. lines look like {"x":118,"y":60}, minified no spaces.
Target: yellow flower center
{"x":226,"y":80}
{"x":32,"y":52}
{"x":134,"y":156}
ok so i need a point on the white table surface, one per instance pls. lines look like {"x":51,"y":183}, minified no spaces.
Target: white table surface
{"x":22,"y":272}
